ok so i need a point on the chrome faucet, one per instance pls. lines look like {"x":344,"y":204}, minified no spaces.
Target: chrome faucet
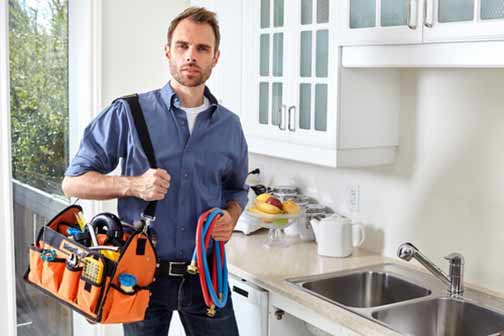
{"x":455,"y":278}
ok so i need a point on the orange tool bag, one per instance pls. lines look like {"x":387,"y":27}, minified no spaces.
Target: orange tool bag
{"x":93,"y":276}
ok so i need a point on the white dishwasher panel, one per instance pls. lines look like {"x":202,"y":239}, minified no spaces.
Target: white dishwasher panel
{"x":251,"y":307}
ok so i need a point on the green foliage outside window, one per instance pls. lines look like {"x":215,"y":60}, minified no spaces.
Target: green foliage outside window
{"x":38,"y":56}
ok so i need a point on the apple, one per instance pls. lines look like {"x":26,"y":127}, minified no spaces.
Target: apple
{"x":275,"y":202}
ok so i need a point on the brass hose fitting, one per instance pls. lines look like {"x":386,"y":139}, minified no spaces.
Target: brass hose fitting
{"x":192,"y":268}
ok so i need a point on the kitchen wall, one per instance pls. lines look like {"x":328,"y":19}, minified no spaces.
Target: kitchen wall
{"x":445,"y":192}
{"x":134,"y":36}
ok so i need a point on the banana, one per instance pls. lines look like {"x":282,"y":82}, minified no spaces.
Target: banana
{"x":263,"y":197}
{"x":268,"y":208}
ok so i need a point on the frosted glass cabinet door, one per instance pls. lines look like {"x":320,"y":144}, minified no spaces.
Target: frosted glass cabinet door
{"x":311,"y":114}
{"x":265,"y":70}
{"x":394,"y":13}
{"x":364,"y":22}
{"x":492,"y":9}
{"x":271,"y":69}
{"x":455,"y":10}
{"x":362,"y":14}
{"x":464,"y":20}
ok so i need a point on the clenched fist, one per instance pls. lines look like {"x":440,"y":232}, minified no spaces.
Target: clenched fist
{"x":152,"y":185}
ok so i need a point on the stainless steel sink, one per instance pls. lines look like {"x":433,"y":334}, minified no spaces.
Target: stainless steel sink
{"x":365,"y":289}
{"x":443,"y":317}
{"x":411,"y":302}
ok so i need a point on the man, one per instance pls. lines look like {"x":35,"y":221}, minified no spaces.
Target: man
{"x":203,"y":161}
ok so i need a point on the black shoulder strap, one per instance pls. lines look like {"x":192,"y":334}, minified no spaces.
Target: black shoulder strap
{"x":143,"y":134}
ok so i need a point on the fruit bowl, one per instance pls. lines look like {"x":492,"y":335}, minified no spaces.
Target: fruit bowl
{"x":270,"y":221}
{"x":275,"y":224}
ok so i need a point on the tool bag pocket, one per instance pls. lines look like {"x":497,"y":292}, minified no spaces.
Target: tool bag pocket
{"x":52,"y":273}
{"x":88,"y":296}
{"x":36,"y":263}
{"x":139,"y":259}
{"x":121,"y":307}
{"x":70,"y":284}
{"x":93,"y":279}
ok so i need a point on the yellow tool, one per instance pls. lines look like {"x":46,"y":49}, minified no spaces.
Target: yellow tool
{"x":112,"y":255}
{"x":81,"y":220}
{"x":93,"y":270}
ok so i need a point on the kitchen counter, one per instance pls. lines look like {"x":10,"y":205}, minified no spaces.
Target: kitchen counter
{"x":269,"y":267}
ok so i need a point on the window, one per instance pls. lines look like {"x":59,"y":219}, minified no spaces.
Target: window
{"x":39,"y":109}
{"x":38,"y":38}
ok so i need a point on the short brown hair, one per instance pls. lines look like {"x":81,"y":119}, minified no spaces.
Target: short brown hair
{"x":197,"y":15}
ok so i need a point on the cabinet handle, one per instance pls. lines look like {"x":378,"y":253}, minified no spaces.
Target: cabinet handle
{"x":429,"y":13}
{"x":412,"y":14}
{"x":283,"y":111}
{"x":293,"y":128}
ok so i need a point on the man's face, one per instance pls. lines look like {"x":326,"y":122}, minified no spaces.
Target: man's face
{"x":192,"y":53}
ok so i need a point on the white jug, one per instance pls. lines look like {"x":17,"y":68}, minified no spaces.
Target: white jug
{"x":334,"y":236}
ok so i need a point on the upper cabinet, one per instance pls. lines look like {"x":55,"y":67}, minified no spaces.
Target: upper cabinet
{"x":364,"y":22}
{"x":368,"y":22}
{"x":290,"y":70}
{"x":463,"y":20}
{"x":298,"y":103}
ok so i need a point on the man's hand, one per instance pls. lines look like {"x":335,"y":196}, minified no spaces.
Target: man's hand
{"x":151,"y":186}
{"x":224,"y":226}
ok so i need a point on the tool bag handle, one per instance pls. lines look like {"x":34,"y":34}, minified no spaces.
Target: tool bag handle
{"x":143,"y":133}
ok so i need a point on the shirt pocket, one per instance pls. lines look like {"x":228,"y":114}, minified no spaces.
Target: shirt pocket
{"x":213,"y":170}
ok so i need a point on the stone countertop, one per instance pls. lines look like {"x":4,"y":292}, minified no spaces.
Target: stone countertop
{"x":269,"y":267}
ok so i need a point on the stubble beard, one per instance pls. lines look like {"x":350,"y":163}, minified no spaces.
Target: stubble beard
{"x":190,"y":81}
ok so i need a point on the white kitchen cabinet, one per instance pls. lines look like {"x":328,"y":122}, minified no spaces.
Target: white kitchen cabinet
{"x":380,"y":22}
{"x":282,"y":323}
{"x":297,"y":102}
{"x":367,"y":22}
{"x":290,"y":72}
{"x":463,"y":20}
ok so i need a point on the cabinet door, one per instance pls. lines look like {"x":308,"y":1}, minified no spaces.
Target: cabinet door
{"x":313,"y":105}
{"x":463,"y":20}
{"x":366,"y":22}
{"x":265,"y":72}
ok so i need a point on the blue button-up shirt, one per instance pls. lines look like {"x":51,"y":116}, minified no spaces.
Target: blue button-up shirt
{"x":207,"y":167}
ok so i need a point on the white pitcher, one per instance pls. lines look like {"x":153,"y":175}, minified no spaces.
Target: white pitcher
{"x":334,"y":236}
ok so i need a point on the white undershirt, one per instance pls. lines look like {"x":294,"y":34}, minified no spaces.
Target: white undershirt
{"x":192,"y":112}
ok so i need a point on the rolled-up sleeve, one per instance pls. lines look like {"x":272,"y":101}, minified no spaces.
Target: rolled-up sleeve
{"x":234,"y":187}
{"x":103,"y":143}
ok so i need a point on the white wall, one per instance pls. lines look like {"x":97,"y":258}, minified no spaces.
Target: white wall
{"x":134,"y":35}
{"x":445,"y":193}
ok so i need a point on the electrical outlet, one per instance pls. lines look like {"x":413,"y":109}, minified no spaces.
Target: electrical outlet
{"x":353,"y":198}
{"x":260,"y":176}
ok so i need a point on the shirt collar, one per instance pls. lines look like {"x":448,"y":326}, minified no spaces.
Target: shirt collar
{"x":171,"y":98}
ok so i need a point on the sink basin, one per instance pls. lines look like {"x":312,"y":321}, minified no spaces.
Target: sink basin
{"x":365,"y":289}
{"x":442,"y":317}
